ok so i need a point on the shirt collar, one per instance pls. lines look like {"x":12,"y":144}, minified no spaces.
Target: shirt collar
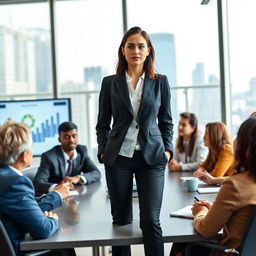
{"x":129,"y":79}
{"x":67,"y":157}
{"x":15,"y":170}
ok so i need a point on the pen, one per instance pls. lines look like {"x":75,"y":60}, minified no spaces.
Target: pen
{"x":196,"y":199}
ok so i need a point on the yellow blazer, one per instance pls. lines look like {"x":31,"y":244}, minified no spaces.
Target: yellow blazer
{"x":225,"y":161}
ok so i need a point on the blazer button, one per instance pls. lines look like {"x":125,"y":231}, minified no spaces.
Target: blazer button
{"x":137,"y":127}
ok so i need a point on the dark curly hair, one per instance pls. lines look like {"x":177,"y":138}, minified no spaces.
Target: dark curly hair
{"x":245,"y":152}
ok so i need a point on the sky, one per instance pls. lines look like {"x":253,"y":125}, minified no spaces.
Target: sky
{"x":87,"y":35}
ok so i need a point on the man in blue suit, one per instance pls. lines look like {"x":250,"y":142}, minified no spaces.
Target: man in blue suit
{"x":20,"y":211}
{"x":68,"y":161}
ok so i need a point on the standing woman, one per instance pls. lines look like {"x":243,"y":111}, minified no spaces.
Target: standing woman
{"x":139,"y":141}
{"x":189,"y":151}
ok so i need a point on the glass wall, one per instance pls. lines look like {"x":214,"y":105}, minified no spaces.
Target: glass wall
{"x":242,"y":41}
{"x":25,"y":51}
{"x":185,"y":38}
{"x":184,"y":34}
{"x":88,"y":37}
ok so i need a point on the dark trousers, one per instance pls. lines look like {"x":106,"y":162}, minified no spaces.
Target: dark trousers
{"x":189,"y":249}
{"x":150,"y":184}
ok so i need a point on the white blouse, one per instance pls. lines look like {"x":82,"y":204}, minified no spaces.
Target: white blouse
{"x":198,"y":156}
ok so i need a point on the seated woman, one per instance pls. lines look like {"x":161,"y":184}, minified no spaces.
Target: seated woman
{"x":20,"y":212}
{"x":220,"y":157}
{"x":234,"y":203}
{"x":190,"y":151}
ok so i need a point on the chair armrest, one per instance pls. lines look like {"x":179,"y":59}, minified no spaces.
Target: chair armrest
{"x":217,"y":247}
{"x":37,"y":253}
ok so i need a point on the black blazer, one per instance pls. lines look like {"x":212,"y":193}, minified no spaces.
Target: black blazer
{"x":154,"y":119}
{"x":52,"y":168}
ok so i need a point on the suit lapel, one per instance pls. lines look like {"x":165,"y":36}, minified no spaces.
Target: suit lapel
{"x":61,"y":160}
{"x":122,"y":89}
{"x":147,"y":90}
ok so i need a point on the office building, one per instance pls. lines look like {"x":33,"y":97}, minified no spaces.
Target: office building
{"x":164,"y":45}
{"x":17,"y":61}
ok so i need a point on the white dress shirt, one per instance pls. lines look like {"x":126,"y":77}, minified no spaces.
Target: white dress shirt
{"x":130,"y":142}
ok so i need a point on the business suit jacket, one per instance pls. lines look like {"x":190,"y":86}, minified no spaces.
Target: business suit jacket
{"x":154,"y":138}
{"x":52,"y":168}
{"x":231,"y":211}
{"x":21,"y":212}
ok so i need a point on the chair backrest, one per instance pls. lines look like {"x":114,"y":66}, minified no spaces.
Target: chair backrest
{"x":6,"y":248}
{"x":248,"y":245}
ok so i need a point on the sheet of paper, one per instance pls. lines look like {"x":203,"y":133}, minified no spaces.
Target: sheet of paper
{"x":184,"y":212}
{"x":208,"y":190}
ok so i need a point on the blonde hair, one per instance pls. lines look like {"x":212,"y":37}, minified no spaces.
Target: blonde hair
{"x":15,"y":138}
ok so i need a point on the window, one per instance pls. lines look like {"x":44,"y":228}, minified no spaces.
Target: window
{"x":185,"y":37}
{"x":25,"y":51}
{"x":242,"y":41}
{"x":88,"y":38}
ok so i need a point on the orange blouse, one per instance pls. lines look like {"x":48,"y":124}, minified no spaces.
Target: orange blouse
{"x":224,"y":162}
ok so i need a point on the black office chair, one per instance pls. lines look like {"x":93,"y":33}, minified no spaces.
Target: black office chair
{"x":6,"y":248}
{"x":247,"y":247}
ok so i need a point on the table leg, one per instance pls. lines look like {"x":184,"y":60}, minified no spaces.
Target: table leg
{"x":103,"y":251}
{"x":95,"y":251}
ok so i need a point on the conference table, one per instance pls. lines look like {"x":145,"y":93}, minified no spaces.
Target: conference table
{"x":85,"y":219}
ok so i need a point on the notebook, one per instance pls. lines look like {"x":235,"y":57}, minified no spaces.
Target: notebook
{"x":208,"y":190}
{"x":184,"y":212}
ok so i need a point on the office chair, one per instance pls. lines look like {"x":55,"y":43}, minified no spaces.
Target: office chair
{"x":247,"y":247}
{"x":6,"y":248}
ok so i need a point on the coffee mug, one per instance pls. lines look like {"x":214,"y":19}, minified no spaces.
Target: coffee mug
{"x":190,"y":184}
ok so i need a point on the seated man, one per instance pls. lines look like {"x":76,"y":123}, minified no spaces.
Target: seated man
{"x":20,"y":211}
{"x":68,"y":161}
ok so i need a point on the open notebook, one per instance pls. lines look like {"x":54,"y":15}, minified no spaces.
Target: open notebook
{"x":184,"y":212}
{"x":208,"y":190}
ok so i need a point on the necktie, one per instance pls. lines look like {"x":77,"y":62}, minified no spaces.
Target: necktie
{"x":70,"y":167}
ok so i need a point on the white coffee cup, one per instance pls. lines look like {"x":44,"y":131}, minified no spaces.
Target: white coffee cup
{"x":190,"y":184}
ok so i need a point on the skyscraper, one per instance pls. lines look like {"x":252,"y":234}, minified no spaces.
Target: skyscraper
{"x":43,"y":65}
{"x":17,"y":67}
{"x":205,"y":101}
{"x":93,"y":76}
{"x":164,"y":45}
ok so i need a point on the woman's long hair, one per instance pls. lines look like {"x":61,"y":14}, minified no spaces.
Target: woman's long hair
{"x":245,"y":152}
{"x":218,"y":137}
{"x":193,"y":121}
{"x":122,"y":65}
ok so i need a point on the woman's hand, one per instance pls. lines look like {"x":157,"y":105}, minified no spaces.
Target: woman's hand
{"x":200,"y":206}
{"x":199,"y":172}
{"x":168,"y":155}
{"x":206,"y":177}
{"x":173,"y":165}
